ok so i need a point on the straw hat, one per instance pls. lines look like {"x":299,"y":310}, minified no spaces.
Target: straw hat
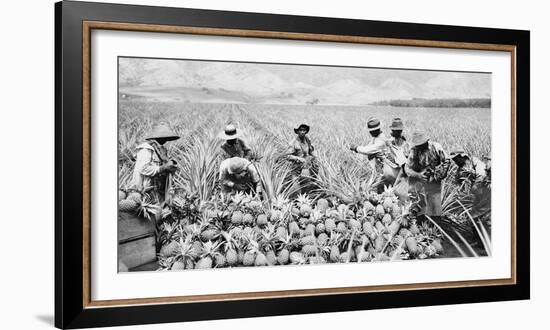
{"x":237,"y":164}
{"x":162,"y":131}
{"x":396,"y":124}
{"x":419,"y":138}
{"x":230,"y":133}
{"x":373,"y":124}
{"x":302,"y":126}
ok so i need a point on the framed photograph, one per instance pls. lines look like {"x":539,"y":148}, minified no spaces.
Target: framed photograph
{"x":214,"y":164}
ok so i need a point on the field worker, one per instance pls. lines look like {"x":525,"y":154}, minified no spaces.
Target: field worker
{"x":380,"y":155}
{"x":469,"y":168}
{"x":234,"y":145}
{"x":239,"y":174}
{"x":300,"y":152}
{"x":474,"y":177}
{"x":153,"y":167}
{"x":427,"y":166}
{"x":399,"y":140}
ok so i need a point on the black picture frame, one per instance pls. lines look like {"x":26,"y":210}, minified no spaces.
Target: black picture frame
{"x":70,"y":181}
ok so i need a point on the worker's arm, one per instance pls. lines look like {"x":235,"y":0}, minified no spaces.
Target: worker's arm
{"x":377,"y":146}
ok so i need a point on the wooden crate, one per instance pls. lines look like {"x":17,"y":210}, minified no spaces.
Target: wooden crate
{"x":136,"y":240}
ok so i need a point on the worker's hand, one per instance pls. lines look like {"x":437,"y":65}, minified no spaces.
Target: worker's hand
{"x":353,"y":147}
{"x":229,"y":184}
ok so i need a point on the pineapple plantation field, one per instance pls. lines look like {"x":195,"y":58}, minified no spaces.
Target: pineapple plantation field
{"x":342,"y":220}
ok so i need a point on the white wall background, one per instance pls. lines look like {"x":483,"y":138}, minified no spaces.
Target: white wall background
{"x":27,"y":162}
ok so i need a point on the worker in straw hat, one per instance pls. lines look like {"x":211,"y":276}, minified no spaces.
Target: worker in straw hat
{"x":300,"y":153}
{"x":399,"y":141}
{"x":239,"y":174}
{"x":427,"y":166}
{"x":153,"y":167}
{"x":385,"y":160}
{"x":473,"y":177}
{"x":234,"y":145}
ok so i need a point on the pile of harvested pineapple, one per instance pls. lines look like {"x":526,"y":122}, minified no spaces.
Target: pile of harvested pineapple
{"x":241,"y":231}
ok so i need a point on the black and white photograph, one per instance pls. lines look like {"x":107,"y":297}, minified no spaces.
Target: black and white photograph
{"x":240,"y":164}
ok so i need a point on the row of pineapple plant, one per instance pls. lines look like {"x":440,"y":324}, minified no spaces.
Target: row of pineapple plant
{"x":241,"y":231}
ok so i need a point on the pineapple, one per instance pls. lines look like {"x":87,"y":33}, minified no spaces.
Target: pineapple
{"x":322,"y":239}
{"x":127,"y":205}
{"x":297,"y":258}
{"x":271,"y":257}
{"x":276,"y":215}
{"x":283,"y":256}
{"x":368,"y":229}
{"x":310,"y":230}
{"x":322,"y":205}
{"x":307,"y":240}
{"x":334,"y":253}
{"x":237,"y":218}
{"x":220,"y":260}
{"x":404,"y":232}
{"x":437,"y":245}
{"x":208,"y":253}
{"x":369,"y":208}
{"x":393,"y":227}
{"x":320,"y":228}
{"x":412,"y":246}
{"x":261,"y":259}
{"x":134,"y":196}
{"x":304,"y":204}
{"x":341,"y":227}
{"x":282,"y":232}
{"x":309,"y":250}
{"x":379,"y":211}
{"x":379,"y":243}
{"x":169,"y":249}
{"x":248,"y":219}
{"x":249,"y":258}
{"x":293,"y":228}
{"x":232,"y":257}
{"x":178,"y":265}
{"x":330,"y":225}
{"x":261,"y":220}
{"x":354,"y":224}
{"x":386,"y":219}
{"x":414,"y":229}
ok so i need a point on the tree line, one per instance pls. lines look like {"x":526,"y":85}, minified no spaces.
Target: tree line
{"x":437,"y":103}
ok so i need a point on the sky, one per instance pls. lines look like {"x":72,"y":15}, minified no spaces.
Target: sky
{"x":287,"y":83}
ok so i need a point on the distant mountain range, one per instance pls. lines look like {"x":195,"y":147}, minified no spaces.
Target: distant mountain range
{"x":201,"y":81}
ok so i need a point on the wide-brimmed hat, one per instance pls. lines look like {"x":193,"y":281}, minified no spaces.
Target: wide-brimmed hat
{"x":230,"y":133}
{"x":396,"y":124}
{"x":419,"y":138}
{"x":458,"y":152}
{"x":302,"y":126}
{"x":237,"y":165}
{"x":162,"y":131}
{"x":373,"y":124}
